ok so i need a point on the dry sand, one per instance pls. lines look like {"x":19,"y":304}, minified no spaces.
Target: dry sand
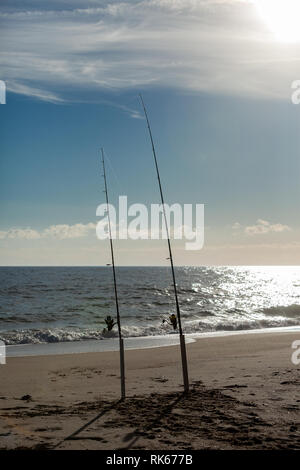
{"x":244,"y":395}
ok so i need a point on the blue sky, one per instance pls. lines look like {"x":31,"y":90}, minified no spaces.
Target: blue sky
{"x":217,"y":84}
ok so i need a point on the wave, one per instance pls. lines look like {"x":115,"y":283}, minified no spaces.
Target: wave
{"x":53,"y":335}
{"x":239,"y":325}
{"x":290,"y":311}
{"x":57,"y":335}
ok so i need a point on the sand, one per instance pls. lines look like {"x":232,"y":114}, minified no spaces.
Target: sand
{"x":244,"y":395}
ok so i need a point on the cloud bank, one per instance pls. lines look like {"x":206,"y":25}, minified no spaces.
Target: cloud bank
{"x":60,"y":232}
{"x":261,"y":227}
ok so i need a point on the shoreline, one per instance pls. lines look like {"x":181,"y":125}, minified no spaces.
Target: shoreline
{"x":130,"y":343}
{"x":244,"y":394}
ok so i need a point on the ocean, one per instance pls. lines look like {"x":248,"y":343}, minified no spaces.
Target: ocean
{"x":68,"y":304}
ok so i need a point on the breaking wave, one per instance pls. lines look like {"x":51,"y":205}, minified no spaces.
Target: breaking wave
{"x":57,"y":335}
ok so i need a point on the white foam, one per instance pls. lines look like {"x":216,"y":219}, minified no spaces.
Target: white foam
{"x":112,"y":344}
{"x":142,"y":342}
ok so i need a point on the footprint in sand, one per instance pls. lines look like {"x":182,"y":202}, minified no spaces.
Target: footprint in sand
{"x":160,"y":379}
{"x":26,"y":398}
{"x":56,"y":428}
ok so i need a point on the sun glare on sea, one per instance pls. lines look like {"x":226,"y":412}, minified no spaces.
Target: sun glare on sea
{"x":282,"y":17}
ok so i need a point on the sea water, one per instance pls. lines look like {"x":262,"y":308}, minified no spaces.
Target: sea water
{"x":41,"y":305}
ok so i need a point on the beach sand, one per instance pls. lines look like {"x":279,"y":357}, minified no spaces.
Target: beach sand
{"x":244,"y":395}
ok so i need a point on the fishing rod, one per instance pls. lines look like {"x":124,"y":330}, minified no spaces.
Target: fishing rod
{"x":121,"y":341}
{"x":181,"y":335}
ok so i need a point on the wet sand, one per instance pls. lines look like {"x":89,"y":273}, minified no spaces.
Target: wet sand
{"x":244,"y":395}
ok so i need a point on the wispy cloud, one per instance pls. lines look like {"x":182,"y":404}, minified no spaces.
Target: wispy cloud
{"x":198,"y":45}
{"x":22,"y":89}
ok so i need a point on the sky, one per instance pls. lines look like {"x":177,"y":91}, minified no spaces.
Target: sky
{"x":216,"y":77}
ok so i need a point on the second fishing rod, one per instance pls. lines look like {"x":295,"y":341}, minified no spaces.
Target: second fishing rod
{"x":181,"y":335}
